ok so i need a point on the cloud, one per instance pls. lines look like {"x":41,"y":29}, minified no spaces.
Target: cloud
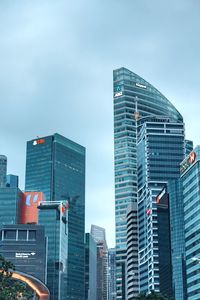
{"x":56,"y":62}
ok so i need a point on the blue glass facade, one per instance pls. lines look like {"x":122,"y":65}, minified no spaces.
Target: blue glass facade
{"x":56,"y":166}
{"x":128,"y":89}
{"x":190,"y":173}
{"x":54,"y":221}
{"x":177,"y":239}
{"x":9,"y":205}
{"x":160,"y":151}
{"x":90,"y":268}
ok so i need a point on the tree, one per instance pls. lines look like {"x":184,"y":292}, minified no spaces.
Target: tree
{"x":9,"y":287}
{"x":152,"y":296}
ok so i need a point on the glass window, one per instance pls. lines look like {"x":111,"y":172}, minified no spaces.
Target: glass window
{"x":32,"y":235}
{"x":22,"y":235}
{"x":9,"y":234}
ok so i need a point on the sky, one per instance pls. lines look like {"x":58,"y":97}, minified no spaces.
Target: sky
{"x":56,"y":64}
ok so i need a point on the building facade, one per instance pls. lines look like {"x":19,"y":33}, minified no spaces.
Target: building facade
{"x":3,"y":170}
{"x":53,"y":216}
{"x":55,"y":166}
{"x":9,"y":205}
{"x":90,"y":268}
{"x":190,"y":174}
{"x":161,"y":148}
{"x":132,"y":283}
{"x":164,"y":243}
{"x":25,"y":247}
{"x":130,"y":91}
{"x":174,"y":190}
{"x":98,"y":233}
{"x":111,"y":274}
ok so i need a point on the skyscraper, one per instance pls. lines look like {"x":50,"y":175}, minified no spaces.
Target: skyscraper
{"x":98,"y":233}
{"x":160,"y":152}
{"x":111,"y":274}
{"x":174,"y":189}
{"x":190,"y":175}
{"x":90,"y":268}
{"x":130,"y":92}
{"x":55,"y":166}
{"x":53,"y":216}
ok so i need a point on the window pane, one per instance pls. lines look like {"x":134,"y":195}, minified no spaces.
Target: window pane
{"x":32,"y":235}
{"x":9,"y":234}
{"x":22,"y":235}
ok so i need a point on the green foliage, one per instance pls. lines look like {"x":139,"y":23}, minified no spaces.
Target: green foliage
{"x":152,"y":296}
{"x":10,"y":288}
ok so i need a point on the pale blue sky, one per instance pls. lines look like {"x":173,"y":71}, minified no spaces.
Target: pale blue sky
{"x":56,"y":62}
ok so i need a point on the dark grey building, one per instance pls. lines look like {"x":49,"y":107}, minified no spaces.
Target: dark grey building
{"x":56,"y":166}
{"x":164,"y":243}
{"x":90,"y":268}
{"x":25,"y":247}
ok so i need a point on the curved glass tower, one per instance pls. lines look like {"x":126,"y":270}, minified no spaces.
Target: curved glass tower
{"x":132,"y":94}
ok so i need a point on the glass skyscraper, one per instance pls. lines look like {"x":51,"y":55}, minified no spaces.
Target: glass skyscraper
{"x":161,"y":149}
{"x":53,"y":216}
{"x":174,"y":188}
{"x":55,"y":166}
{"x":131,"y":93}
{"x":99,"y":235}
{"x":90,"y":268}
{"x":190,"y":175}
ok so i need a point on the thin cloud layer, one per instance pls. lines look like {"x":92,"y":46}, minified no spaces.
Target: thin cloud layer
{"x":56,"y":61}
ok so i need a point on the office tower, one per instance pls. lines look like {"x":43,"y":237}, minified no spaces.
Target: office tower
{"x":130,"y":90}
{"x":98,"y":234}
{"x":9,"y":205}
{"x":53,"y":216}
{"x":90,"y":267}
{"x":3,"y":170}
{"x":190,"y":174}
{"x":160,"y":151}
{"x":56,"y":166}
{"x":174,"y":190}
{"x":25,"y":247}
{"x":164,"y":243}
{"x":111,"y":274}
{"x":12,"y":181}
{"x":132,"y":284}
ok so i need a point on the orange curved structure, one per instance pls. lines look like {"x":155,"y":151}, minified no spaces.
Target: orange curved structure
{"x":35,"y":284}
